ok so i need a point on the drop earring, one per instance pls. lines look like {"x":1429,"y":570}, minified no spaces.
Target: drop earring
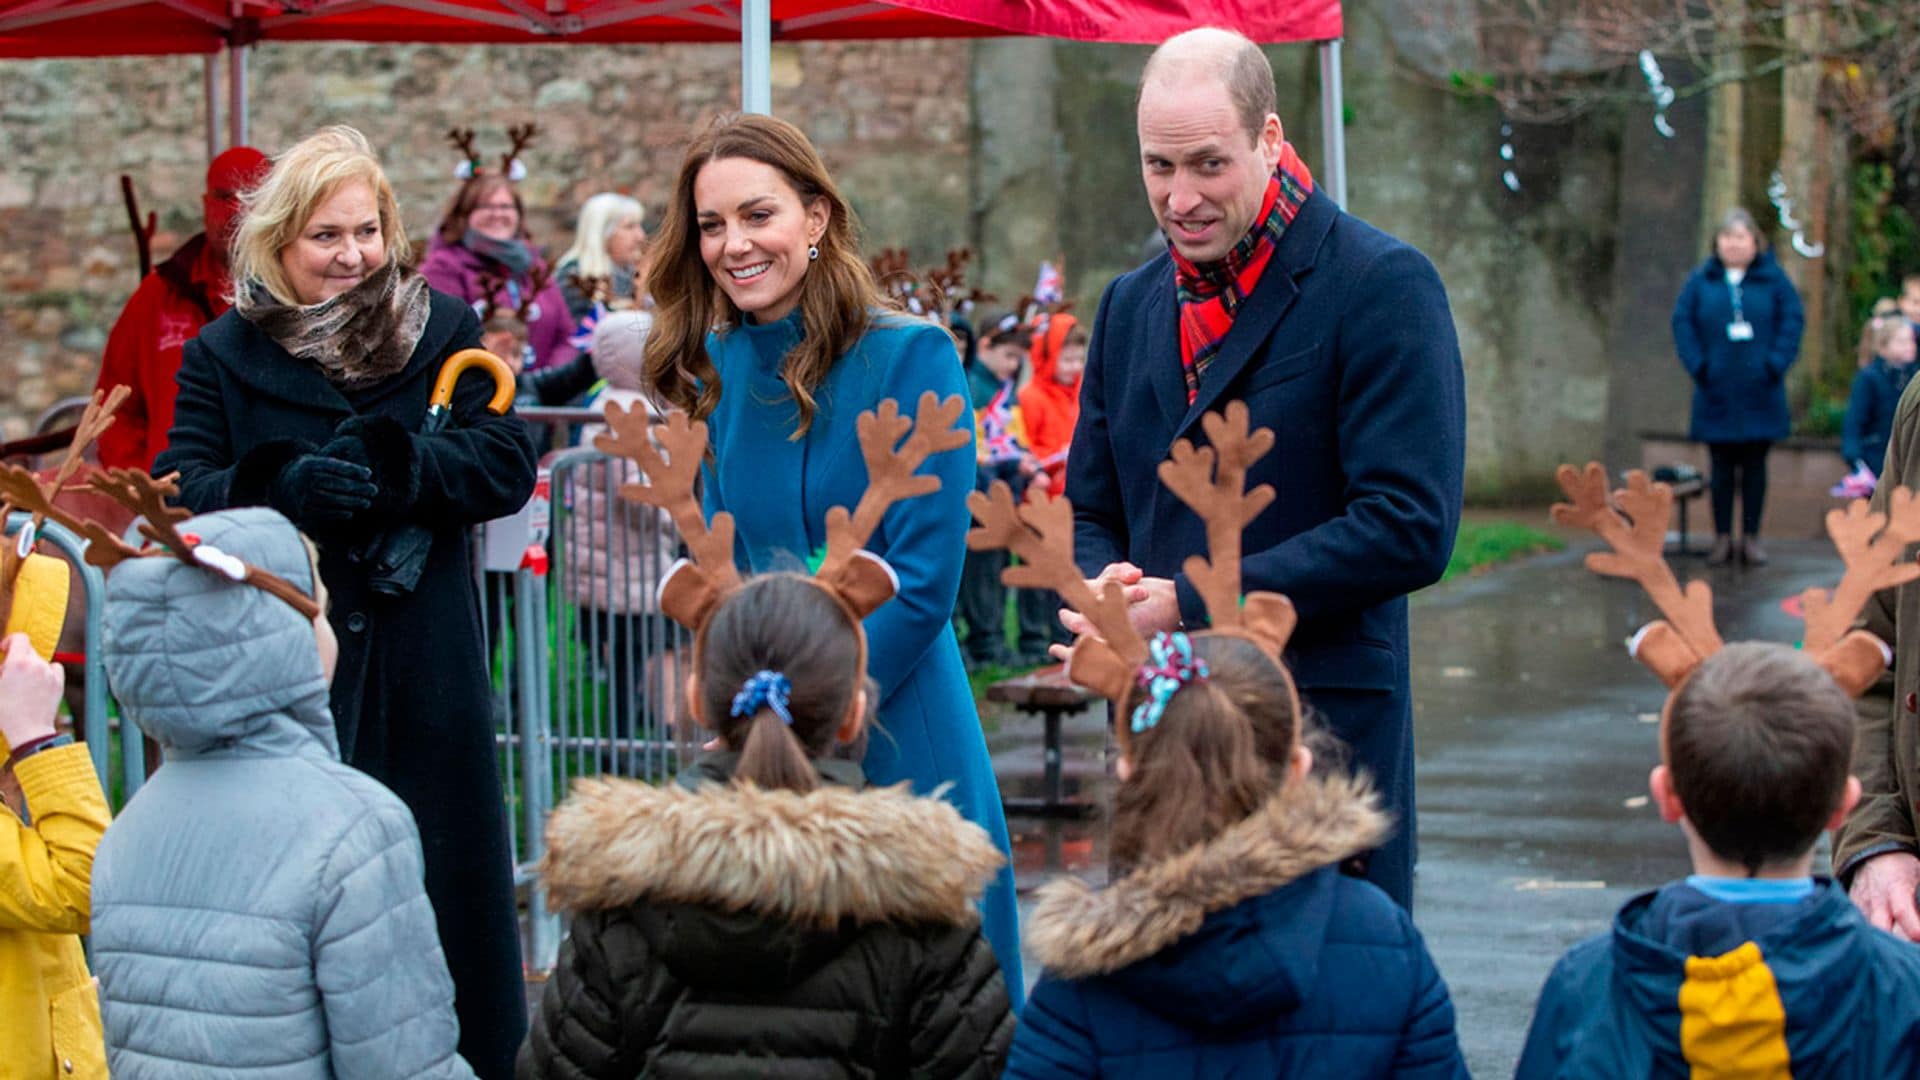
{"x":813,"y":252}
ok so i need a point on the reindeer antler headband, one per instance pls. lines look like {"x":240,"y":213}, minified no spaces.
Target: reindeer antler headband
{"x":134,"y":490}
{"x":861,"y":580}
{"x":471,"y":163}
{"x":1212,"y":481}
{"x":1871,"y":544}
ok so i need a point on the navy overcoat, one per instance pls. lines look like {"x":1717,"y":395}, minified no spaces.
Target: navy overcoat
{"x":1739,"y":387}
{"x":1346,"y":349}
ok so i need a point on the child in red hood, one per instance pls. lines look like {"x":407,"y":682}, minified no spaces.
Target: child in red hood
{"x":1050,"y":402}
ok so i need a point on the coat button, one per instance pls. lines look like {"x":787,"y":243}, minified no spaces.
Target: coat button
{"x":1913,"y":702}
{"x":357,"y":623}
{"x":67,"y":1064}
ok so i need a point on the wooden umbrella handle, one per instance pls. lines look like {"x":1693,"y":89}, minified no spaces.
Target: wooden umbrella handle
{"x":459,"y":364}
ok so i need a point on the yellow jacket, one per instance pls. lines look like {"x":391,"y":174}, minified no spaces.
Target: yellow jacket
{"x":47,"y":1004}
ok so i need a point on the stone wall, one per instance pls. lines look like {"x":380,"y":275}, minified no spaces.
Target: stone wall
{"x":1023,"y":149}
{"x":891,"y":118}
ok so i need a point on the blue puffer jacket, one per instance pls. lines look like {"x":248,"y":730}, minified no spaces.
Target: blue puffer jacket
{"x":1869,"y":424}
{"x":258,"y":908}
{"x":1250,"y":956}
{"x":1739,"y":387}
{"x":1687,"y":985}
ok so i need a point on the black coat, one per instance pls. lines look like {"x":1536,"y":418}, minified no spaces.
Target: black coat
{"x":411,"y":696}
{"x":1346,"y":349}
{"x":731,"y":932}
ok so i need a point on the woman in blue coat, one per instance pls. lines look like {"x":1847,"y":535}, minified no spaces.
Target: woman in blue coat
{"x":759,"y":242}
{"x":1737,"y":329}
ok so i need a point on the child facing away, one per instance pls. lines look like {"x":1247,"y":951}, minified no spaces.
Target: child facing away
{"x":55,"y":813}
{"x":1752,"y":966}
{"x":1231,"y":943}
{"x":769,"y":914}
{"x":259,"y":907}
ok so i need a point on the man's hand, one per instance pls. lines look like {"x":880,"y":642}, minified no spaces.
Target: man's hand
{"x":1152,"y":605}
{"x":29,"y":692}
{"x":1883,"y":889}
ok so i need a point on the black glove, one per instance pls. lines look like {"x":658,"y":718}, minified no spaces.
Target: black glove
{"x":385,"y":448}
{"x":560,"y":383}
{"x":316,"y":489}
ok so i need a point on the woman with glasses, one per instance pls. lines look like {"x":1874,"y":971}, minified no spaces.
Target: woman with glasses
{"x":482,"y":239}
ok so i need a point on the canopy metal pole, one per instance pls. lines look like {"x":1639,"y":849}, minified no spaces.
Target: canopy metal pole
{"x":756,"y":55}
{"x":1333,"y":127}
{"x":210,"y":83}
{"x":237,"y":96}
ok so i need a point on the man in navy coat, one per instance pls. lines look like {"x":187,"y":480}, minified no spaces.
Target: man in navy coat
{"x":1339,"y":338}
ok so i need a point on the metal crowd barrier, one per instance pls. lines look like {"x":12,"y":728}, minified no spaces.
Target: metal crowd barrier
{"x":93,"y":720}
{"x":588,"y":676}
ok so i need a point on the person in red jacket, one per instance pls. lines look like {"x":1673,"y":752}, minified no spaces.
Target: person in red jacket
{"x":1050,"y":402}
{"x":180,"y":296}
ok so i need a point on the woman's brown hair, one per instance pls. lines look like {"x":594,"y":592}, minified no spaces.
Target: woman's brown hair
{"x":789,"y":624}
{"x":453,"y":223}
{"x":1219,"y":750}
{"x":838,"y":295}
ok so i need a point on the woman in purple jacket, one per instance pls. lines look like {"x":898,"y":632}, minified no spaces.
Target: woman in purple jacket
{"x":483,"y":236}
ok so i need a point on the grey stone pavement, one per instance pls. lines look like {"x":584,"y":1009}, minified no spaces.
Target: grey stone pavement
{"x":1535,"y":733}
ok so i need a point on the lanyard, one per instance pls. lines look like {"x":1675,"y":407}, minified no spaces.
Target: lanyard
{"x":1733,"y":287}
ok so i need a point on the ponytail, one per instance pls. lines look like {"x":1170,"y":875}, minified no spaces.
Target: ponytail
{"x":1218,"y":750}
{"x":771,"y":757}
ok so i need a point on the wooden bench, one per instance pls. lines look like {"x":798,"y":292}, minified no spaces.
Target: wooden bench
{"x":1047,"y":694}
{"x":1687,"y":485}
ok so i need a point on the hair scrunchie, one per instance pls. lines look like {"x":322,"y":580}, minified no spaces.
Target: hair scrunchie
{"x":1171,"y":665}
{"x":765,"y":690}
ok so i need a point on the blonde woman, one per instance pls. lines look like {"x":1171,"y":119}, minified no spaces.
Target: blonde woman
{"x":609,"y":245}
{"x":308,"y":397}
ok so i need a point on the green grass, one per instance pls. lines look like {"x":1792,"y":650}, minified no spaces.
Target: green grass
{"x":1488,"y":544}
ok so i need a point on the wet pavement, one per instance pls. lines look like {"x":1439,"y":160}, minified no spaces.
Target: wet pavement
{"x":1535,"y":733}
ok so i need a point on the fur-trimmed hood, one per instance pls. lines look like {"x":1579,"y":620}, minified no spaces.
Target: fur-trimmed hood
{"x":815,"y":860}
{"x":1309,"y":824}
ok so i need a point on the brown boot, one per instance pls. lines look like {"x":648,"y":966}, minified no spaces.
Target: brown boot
{"x":1751,"y":552}
{"x":1722,"y":551}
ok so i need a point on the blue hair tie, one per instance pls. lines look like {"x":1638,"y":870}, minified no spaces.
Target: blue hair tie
{"x":1170,"y":666}
{"x":765,"y":690}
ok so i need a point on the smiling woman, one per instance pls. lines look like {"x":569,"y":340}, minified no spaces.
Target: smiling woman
{"x":308,"y":397}
{"x":758,"y":241}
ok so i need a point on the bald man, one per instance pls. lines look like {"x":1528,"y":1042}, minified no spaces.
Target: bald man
{"x":180,"y":296}
{"x":1338,"y":337}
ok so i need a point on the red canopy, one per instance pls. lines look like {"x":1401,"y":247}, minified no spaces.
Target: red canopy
{"x":47,"y":28}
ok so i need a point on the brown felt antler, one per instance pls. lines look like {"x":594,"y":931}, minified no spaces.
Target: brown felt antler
{"x":692,"y":589}
{"x":149,"y":497}
{"x":1672,"y":647}
{"x":1871,"y":544}
{"x":1040,"y":532}
{"x":522,"y":136}
{"x":1212,"y":481}
{"x":865,"y":582}
{"x":20,"y":490}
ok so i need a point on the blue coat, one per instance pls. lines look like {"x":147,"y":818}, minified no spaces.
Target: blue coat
{"x":1619,"y":1004}
{"x":1739,"y":387}
{"x":1346,"y":349}
{"x":779,"y":491}
{"x":1869,"y":424}
{"x":1258,"y":958}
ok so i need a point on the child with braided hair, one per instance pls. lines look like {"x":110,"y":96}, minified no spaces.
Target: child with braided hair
{"x":769,"y":912}
{"x":1231,"y":941}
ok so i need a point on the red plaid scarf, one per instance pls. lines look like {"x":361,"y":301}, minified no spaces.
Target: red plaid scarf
{"x":1211,"y":295}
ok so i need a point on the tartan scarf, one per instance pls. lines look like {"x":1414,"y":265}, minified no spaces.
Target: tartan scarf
{"x":1211,"y":294}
